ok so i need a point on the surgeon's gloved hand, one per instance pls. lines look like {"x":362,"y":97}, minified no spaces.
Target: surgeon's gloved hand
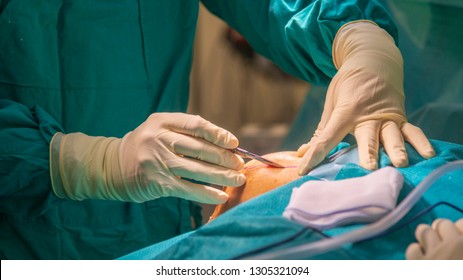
{"x":442,"y":241}
{"x":148,"y":163}
{"x":365,"y":98}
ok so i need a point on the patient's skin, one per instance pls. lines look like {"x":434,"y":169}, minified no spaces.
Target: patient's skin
{"x":261,"y":178}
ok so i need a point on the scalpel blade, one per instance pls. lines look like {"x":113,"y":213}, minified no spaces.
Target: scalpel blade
{"x":247,"y":154}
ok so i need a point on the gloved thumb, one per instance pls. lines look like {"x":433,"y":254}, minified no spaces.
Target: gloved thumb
{"x":323,"y":142}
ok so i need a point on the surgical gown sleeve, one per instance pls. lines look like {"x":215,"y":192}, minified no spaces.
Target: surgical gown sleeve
{"x":25,"y":134}
{"x":298,"y":35}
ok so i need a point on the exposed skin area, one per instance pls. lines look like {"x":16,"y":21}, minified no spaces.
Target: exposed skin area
{"x":261,"y":178}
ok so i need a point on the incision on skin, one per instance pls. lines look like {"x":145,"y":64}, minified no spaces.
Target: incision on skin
{"x":261,"y":178}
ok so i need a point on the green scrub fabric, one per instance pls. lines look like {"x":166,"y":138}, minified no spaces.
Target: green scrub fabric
{"x":101,"y":68}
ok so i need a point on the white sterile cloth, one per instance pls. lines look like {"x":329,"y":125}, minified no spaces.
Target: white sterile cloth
{"x":328,"y":204}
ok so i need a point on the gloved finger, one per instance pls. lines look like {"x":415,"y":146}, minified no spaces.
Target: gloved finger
{"x":326,"y":115}
{"x":415,"y":136}
{"x":414,"y":252}
{"x":459,"y":225}
{"x":427,"y":237}
{"x":367,"y":137}
{"x":335,"y":130}
{"x":199,"y":193}
{"x":305,"y":147}
{"x":205,"y":172}
{"x":321,"y":125}
{"x":199,"y":127}
{"x":393,"y":143}
{"x":205,"y":151}
{"x":446,"y":229}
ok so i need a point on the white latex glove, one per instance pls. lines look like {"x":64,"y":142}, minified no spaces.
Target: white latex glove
{"x":148,"y":163}
{"x":442,"y":241}
{"x":365,"y":98}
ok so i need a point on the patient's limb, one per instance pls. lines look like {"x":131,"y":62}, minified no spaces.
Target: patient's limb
{"x":442,"y":241}
{"x":261,"y":178}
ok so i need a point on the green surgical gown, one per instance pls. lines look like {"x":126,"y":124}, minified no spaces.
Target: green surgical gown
{"x":101,"y":67}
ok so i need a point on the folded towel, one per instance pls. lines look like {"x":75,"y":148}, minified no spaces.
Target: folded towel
{"x":328,"y":204}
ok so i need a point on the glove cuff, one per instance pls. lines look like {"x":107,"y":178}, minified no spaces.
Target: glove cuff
{"x":363,"y":45}
{"x":363,"y":37}
{"x":83,"y":167}
{"x":56,"y":182}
